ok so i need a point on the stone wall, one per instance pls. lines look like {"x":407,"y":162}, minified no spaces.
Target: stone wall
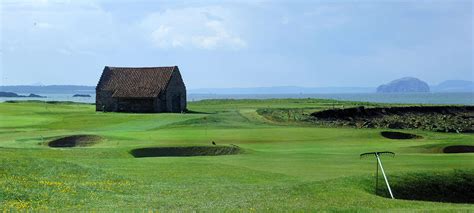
{"x":140,"y":105}
{"x":160,"y":103}
{"x":175,"y":90}
{"x":105,"y":102}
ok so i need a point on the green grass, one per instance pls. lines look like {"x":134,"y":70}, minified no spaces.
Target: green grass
{"x":286,"y":165}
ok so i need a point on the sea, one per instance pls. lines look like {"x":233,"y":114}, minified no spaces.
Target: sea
{"x":404,"y":98}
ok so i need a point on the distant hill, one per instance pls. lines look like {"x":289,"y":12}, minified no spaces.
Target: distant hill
{"x":454,"y":86}
{"x":282,"y":90}
{"x":73,"y":89}
{"x":52,"y":89}
{"x":404,"y":85}
{"x":446,"y":86}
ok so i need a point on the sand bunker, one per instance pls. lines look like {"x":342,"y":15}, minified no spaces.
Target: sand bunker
{"x":452,"y":187}
{"x":399,"y":135}
{"x":75,"y":141}
{"x":458,"y":149}
{"x":186,"y":151}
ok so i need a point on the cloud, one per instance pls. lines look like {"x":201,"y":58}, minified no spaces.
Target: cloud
{"x":39,"y":26}
{"x":197,"y":27}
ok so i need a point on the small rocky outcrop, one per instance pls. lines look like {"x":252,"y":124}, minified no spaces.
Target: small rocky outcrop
{"x":404,"y":85}
{"x":14,"y":95}
{"x":8,"y":94}
{"x":81,"y":96}
{"x":34,"y":96}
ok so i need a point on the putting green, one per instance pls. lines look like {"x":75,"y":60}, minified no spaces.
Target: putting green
{"x":286,"y":165}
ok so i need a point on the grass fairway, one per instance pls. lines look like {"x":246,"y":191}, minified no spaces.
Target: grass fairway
{"x":285,"y":165}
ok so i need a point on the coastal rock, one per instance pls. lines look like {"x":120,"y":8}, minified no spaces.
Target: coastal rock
{"x":404,"y":85}
{"x":82,"y":95}
{"x":34,"y":96}
{"x":8,"y":95}
{"x":14,"y":95}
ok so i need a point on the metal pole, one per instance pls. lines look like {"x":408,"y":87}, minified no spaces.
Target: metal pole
{"x":376,"y":176}
{"x":384,"y":176}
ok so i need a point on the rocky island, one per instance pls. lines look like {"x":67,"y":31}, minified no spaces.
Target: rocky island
{"x":14,"y":95}
{"x":404,"y":85}
{"x":81,"y":96}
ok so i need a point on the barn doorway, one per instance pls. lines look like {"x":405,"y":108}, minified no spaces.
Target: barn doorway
{"x":135,"y":105}
{"x":176,"y":103}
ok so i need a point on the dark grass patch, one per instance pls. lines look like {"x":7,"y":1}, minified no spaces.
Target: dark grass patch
{"x":399,"y":135}
{"x":458,"y":149}
{"x":75,"y":141}
{"x":187,"y":151}
{"x":452,"y":187}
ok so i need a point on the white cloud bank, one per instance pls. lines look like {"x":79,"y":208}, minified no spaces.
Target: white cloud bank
{"x":197,"y":27}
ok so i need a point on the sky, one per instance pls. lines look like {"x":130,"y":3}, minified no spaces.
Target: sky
{"x":225,"y":44}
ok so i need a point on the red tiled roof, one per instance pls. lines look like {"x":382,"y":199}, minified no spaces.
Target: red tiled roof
{"x":135,"y":82}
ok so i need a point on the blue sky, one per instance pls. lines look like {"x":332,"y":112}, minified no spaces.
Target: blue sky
{"x":238,"y":43}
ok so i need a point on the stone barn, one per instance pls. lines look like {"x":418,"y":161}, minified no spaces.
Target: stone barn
{"x":141,"y":90}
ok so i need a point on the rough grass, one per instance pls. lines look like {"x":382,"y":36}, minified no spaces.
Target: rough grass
{"x":291,"y":166}
{"x":433,"y":118}
{"x":42,"y":184}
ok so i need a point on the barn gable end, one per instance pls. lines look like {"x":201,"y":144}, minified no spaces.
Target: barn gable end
{"x":144,"y":89}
